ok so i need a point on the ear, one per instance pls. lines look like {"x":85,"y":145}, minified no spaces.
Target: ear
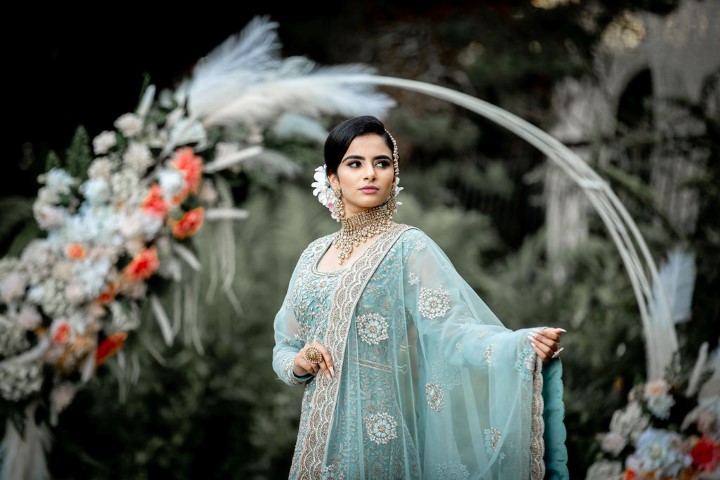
{"x":334,"y":181}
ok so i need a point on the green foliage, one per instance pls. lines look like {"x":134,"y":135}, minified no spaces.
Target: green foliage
{"x":16,"y":221}
{"x":79,"y":154}
{"x":52,"y":161}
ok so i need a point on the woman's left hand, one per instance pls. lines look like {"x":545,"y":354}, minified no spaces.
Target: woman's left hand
{"x":546,"y":342}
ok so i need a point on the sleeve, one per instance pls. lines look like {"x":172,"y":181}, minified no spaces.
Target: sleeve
{"x":287,"y":345}
{"x":555,"y":434}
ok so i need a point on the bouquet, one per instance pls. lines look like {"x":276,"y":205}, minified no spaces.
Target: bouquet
{"x":665,"y":431}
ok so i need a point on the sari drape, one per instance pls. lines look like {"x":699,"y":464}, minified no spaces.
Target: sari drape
{"x":429,"y":384}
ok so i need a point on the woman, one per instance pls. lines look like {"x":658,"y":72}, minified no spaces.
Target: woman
{"x":407,"y":373}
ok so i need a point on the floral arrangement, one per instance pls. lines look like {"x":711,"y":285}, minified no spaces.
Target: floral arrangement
{"x":120,"y":215}
{"x":663,"y":432}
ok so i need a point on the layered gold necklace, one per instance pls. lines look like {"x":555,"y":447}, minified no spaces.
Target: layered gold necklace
{"x":358,"y":228}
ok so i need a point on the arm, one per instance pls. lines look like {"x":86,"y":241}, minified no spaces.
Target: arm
{"x":287,"y":345}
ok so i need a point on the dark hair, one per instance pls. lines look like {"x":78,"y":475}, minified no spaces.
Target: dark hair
{"x":340,"y":138}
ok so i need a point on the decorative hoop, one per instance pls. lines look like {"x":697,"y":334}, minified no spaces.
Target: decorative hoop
{"x":659,"y":330}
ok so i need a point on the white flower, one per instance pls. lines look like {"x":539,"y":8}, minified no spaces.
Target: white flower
{"x":50,"y":218}
{"x":661,"y":451}
{"x":660,"y":405}
{"x":321,"y":186}
{"x":629,"y":422}
{"x":12,"y":286}
{"x":613,"y":443}
{"x":129,"y":124}
{"x":28,"y":317}
{"x":96,"y":191}
{"x":659,"y":400}
{"x":104,"y":142}
{"x":58,"y":180}
{"x":171,"y":183}
{"x":604,"y":470}
{"x":101,"y":167}
{"x":138,"y":157}
{"x":75,"y":293}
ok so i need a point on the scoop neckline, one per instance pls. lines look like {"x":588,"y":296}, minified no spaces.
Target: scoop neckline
{"x":320,"y":257}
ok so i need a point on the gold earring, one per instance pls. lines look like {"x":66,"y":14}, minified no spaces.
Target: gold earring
{"x":392,"y":203}
{"x":339,"y":207}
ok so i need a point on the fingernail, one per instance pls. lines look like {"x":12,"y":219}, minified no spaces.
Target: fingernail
{"x":327,"y":375}
{"x":332,"y":371}
{"x":559,"y":350}
{"x":562,"y":330}
{"x":532,"y":335}
{"x":533,"y":344}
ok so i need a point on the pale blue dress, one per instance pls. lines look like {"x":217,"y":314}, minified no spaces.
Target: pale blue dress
{"x":429,"y":384}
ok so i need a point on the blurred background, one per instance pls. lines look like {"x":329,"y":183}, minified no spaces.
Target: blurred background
{"x":633,"y":86}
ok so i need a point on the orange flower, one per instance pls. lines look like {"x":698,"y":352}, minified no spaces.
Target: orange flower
{"x":75,"y":251}
{"x":154,"y":204}
{"x":109,"y":294}
{"x":191,"y":167}
{"x":109,"y":346}
{"x":60,"y":331}
{"x":143,"y":265}
{"x":189,"y":224}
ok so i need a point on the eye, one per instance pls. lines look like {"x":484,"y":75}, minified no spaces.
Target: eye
{"x":353,"y":164}
{"x":382,"y":163}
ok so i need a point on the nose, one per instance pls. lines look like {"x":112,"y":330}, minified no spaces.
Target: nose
{"x":369,"y":171}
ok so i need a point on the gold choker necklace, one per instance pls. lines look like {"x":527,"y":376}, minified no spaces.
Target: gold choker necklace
{"x":358,"y":228}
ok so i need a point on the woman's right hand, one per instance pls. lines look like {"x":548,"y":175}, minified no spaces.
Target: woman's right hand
{"x":312,"y":358}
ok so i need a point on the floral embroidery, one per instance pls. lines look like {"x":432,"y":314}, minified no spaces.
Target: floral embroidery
{"x":435,"y":397}
{"x":420,"y":246}
{"x":433,"y":303}
{"x":303,"y":331}
{"x":332,"y":472}
{"x":381,"y":427}
{"x":452,"y":471}
{"x":372,"y":328}
{"x":525,"y":363}
{"x":489,"y":355}
{"x":413,"y":278}
{"x":492,"y":437}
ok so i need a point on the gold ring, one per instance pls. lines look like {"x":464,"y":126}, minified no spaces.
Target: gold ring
{"x":313,"y":355}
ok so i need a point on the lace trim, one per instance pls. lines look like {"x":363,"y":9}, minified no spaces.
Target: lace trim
{"x":537,"y":445}
{"x":308,"y":465}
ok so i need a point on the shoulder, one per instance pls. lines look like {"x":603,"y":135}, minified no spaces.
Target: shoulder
{"x":316,"y":247}
{"x":320,"y":242}
{"x":413,"y":239}
{"x":413,"y":235}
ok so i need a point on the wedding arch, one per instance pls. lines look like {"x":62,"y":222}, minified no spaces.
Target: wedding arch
{"x":658,"y":326}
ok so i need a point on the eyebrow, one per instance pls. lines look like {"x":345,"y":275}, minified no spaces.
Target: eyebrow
{"x":359,"y":157}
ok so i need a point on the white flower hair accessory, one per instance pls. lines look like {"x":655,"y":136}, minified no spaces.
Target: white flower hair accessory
{"x":324,"y":192}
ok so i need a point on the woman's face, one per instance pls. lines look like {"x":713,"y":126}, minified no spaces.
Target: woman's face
{"x":366,"y":175}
